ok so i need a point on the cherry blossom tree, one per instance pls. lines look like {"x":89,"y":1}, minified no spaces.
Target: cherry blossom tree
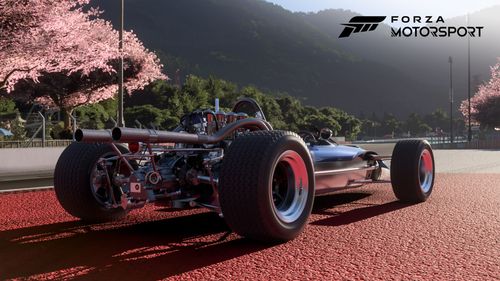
{"x":18,"y":19}
{"x":27,"y":33}
{"x":485,"y":104}
{"x":64,"y":56}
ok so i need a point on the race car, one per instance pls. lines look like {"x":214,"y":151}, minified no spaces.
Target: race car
{"x":261,"y":181}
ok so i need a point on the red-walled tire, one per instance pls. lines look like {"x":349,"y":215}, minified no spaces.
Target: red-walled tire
{"x":412,"y":171}
{"x":74,"y":187}
{"x":266,"y":186}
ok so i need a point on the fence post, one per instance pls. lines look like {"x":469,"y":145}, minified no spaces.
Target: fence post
{"x":43,"y":128}
{"x":74,"y":125}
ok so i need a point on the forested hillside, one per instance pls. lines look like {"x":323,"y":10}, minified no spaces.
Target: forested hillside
{"x":255,"y":42}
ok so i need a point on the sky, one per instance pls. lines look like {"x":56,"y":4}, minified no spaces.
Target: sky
{"x":445,"y":8}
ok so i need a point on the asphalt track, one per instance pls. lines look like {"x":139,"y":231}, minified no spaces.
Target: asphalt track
{"x":362,"y":234}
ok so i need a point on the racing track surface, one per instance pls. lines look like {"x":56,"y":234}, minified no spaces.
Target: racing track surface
{"x":360,"y":234}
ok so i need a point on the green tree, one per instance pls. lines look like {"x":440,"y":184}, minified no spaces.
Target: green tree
{"x":271,"y":108}
{"x":350,"y":126}
{"x":390,"y":125}
{"x":17,"y":129}
{"x":147,"y":115}
{"x":322,"y":121}
{"x":8,"y":112}
{"x":416,"y":126}
{"x":291,"y":111}
{"x":373,"y":126}
{"x":162,"y":100}
{"x":8,"y":108}
{"x":92,"y":116}
{"x":438,"y":119}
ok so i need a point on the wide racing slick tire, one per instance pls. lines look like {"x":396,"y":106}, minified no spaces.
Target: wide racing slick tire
{"x":266,"y":185}
{"x":78,"y":183}
{"x":412,"y":171}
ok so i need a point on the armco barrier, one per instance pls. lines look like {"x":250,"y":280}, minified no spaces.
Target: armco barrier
{"x":28,"y":163}
{"x":35,"y":143}
{"x":476,"y":144}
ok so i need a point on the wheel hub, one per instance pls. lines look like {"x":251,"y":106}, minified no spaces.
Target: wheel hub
{"x":426,"y":170}
{"x":289,"y":186}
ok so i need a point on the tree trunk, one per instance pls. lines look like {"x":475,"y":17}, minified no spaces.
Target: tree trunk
{"x":68,"y":124}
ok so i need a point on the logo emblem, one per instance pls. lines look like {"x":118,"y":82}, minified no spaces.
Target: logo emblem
{"x":361,"y":24}
{"x":135,"y":187}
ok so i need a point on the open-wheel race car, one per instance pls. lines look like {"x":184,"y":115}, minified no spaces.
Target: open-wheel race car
{"x":261,"y":181}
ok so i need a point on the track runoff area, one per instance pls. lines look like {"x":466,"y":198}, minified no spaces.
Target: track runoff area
{"x":356,"y":234}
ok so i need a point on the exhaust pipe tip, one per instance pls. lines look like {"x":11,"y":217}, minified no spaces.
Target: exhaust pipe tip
{"x":116,"y":134}
{"x":78,"y":135}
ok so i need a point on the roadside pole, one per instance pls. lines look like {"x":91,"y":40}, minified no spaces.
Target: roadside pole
{"x":43,"y":128}
{"x":121,"y":120}
{"x":469,"y":135}
{"x":450,"y":60}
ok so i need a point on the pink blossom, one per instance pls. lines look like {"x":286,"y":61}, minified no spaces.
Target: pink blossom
{"x":38,"y":37}
{"x":484,"y":99}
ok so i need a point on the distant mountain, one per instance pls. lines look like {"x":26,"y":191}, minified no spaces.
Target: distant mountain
{"x":255,"y":42}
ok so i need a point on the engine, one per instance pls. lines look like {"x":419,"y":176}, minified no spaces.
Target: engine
{"x":185,"y":174}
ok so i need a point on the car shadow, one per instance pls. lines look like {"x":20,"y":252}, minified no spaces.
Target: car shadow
{"x":359,"y":214}
{"x":143,"y":251}
{"x":325,"y":202}
{"x":148,"y":250}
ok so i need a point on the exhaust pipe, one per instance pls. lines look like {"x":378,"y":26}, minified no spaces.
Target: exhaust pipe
{"x":100,"y":136}
{"x":144,"y":135}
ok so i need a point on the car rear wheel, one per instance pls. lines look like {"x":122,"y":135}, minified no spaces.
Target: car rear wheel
{"x":266,"y":187}
{"x":412,"y":171}
{"x":83,"y":182}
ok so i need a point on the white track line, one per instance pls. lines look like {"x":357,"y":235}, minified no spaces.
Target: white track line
{"x":20,"y":190}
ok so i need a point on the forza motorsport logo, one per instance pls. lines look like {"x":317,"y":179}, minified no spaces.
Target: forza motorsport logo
{"x":360,"y":24}
{"x":412,"y":27}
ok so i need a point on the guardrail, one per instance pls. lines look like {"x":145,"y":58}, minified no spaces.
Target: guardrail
{"x":438,"y":143}
{"x":431,"y":140}
{"x":34,"y":143}
{"x":475,"y":144}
